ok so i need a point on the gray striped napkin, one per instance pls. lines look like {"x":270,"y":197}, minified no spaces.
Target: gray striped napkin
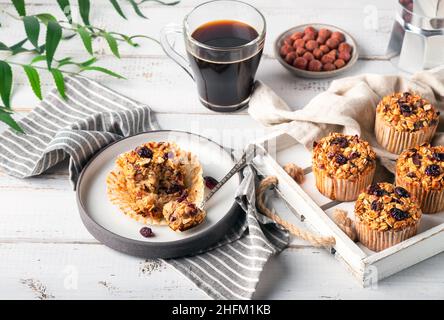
{"x":93,"y":116}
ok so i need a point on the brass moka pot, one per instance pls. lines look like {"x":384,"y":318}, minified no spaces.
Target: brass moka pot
{"x":417,"y":38}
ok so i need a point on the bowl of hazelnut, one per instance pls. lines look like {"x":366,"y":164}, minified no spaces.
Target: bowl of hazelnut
{"x":316,"y":50}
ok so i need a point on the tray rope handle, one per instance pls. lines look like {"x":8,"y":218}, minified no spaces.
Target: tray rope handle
{"x":318,"y":241}
{"x":339,"y":216}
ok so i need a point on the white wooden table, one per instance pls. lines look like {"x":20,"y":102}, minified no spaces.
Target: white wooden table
{"x":46,"y":253}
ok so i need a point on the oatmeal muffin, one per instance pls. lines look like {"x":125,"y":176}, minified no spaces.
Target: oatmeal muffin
{"x":182,"y":214}
{"x":385,"y":216}
{"x":404,"y":120}
{"x":343,"y":166}
{"x":420,"y":170}
{"x":152,"y":175}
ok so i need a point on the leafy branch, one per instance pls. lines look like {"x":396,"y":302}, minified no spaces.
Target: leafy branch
{"x":56,"y":32}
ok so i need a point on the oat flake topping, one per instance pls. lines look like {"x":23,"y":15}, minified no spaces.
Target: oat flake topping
{"x":384,"y":207}
{"x":343,"y":156}
{"x":407,"y":111}
{"x":423,"y":165}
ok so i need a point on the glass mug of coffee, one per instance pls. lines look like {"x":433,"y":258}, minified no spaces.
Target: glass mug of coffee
{"x":224,"y":40}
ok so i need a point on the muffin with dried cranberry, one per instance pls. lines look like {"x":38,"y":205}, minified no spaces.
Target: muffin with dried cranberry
{"x":385,"y":215}
{"x":404,"y":120}
{"x":420,"y":170}
{"x":343,"y":166}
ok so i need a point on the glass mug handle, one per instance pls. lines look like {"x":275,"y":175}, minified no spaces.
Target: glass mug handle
{"x":169,"y":49}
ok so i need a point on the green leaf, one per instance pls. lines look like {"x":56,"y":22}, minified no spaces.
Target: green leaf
{"x":118,"y":8}
{"x":20,"y":7}
{"x":32,"y":28}
{"x":3,"y":46}
{"x":136,"y":9}
{"x":66,"y":8}
{"x":86,"y":38}
{"x":59,"y":81}
{"x":88,"y":62}
{"x":84,"y":7}
{"x":112,"y":43}
{"x":38,"y":59}
{"x":18,"y":47}
{"x":103,"y":70}
{"x":53,"y":36}
{"x":45,"y":18}
{"x":5,"y":83}
{"x":65,"y":61}
{"x":6,"y":117}
{"x":34,"y":80}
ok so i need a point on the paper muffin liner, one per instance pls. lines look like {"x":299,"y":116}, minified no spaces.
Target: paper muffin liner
{"x":120,"y":196}
{"x":430,"y":201}
{"x":379,"y":240}
{"x":342,"y":189}
{"x":397,"y":141}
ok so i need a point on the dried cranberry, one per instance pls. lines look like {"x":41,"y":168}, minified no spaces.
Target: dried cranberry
{"x":210,"y":182}
{"x":183,"y":196}
{"x":145,"y":152}
{"x":406,"y":110}
{"x":438,"y":113}
{"x":341,"y":141}
{"x":147,"y":232}
{"x":354,"y":155}
{"x":340,"y":159}
{"x":398,"y":214}
{"x":406,"y":94}
{"x":315,"y":144}
{"x":375,"y":190}
{"x":400,"y":191}
{"x":168,"y":155}
{"x":433,"y":170}
{"x":438,"y":156}
{"x":376,"y":205}
{"x":330,"y":155}
{"x":416,"y":159}
{"x":411,"y":175}
{"x":396,"y":201}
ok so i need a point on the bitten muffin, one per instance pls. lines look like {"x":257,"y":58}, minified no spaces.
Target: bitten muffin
{"x":343,"y":166}
{"x":385,"y":216}
{"x":420,"y":170}
{"x":404,"y":120}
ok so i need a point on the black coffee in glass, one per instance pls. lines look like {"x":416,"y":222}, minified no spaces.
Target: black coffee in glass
{"x":224,"y":82}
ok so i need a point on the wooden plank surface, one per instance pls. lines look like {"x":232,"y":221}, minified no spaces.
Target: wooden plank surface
{"x":44,"y":247}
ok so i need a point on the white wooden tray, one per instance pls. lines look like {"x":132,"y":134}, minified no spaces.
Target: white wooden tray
{"x":316,"y":211}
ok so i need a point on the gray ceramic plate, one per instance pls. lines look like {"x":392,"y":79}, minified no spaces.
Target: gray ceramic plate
{"x":114,"y":229}
{"x":312,"y":74}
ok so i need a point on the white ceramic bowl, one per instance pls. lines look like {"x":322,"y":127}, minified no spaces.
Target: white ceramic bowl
{"x":315,"y":74}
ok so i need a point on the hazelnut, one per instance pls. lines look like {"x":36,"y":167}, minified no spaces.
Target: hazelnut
{"x":321,"y":39}
{"x":339,"y":63}
{"x":327,"y":58}
{"x":309,"y":36}
{"x":344,"y":55}
{"x":329,"y":67}
{"x":285,"y":50}
{"x":297,"y":35}
{"x":310,"y":30}
{"x":338,"y":36}
{"x":317,"y":53}
{"x":315,"y":65}
{"x":333,"y":53}
{"x":300,"y":51}
{"x":299,"y":43}
{"x":311,"y":45}
{"x":288,"y":41}
{"x":324,"y":48}
{"x":300,"y":63}
{"x":289,"y":58}
{"x":332,"y":43}
{"x":344,"y":46}
{"x":308,"y":56}
{"x":325,"y":33}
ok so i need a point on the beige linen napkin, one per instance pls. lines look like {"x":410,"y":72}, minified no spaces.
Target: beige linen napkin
{"x":348,"y":106}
